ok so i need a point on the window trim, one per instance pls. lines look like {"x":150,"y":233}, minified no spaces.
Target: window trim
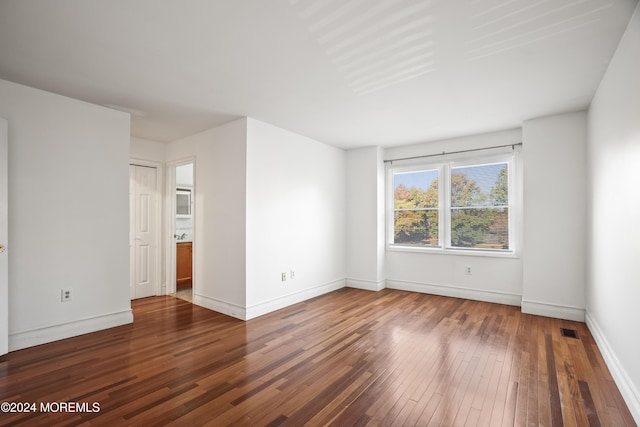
{"x":444,"y":167}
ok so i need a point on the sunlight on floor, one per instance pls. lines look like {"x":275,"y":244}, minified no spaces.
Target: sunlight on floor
{"x":184,"y":294}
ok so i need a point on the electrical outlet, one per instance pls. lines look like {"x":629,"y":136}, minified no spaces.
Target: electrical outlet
{"x":284,"y":277}
{"x":293,"y":274}
{"x":469,"y":270}
{"x":65,"y":295}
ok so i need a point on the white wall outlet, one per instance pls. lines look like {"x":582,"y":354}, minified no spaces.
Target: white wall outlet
{"x":284,"y":277}
{"x":65,"y":295}
{"x":468,"y":270}
{"x":293,"y":274}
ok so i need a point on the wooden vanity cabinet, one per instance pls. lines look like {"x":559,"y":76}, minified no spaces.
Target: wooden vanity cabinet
{"x":184,"y":268}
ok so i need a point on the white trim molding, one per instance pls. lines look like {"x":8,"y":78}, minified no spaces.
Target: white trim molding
{"x":46,"y":334}
{"x":367,"y":285}
{"x":630,"y":393}
{"x":265,"y":307}
{"x":456,"y":292}
{"x":220,"y":306}
{"x":553,"y":310}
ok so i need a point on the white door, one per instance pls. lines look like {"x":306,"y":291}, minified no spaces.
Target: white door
{"x":4,"y":233}
{"x":143,"y":231}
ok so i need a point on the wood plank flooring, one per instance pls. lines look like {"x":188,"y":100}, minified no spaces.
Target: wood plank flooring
{"x":347,"y":358}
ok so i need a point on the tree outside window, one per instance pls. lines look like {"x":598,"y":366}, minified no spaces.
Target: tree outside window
{"x":478,"y":200}
{"x":416,"y":208}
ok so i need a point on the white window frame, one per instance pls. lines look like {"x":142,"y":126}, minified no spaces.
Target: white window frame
{"x":444,"y":167}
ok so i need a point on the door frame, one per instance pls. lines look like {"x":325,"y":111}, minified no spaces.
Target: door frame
{"x":4,"y":237}
{"x":170,"y":216}
{"x":158,"y":219}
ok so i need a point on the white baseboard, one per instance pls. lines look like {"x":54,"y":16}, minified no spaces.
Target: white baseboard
{"x":46,"y":334}
{"x":246,"y":313}
{"x":224,"y":307}
{"x":294,"y":298}
{"x":628,"y":390}
{"x":457,"y":292}
{"x":553,"y":310}
{"x":367,"y":285}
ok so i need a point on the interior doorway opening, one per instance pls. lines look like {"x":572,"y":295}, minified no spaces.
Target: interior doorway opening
{"x":183,"y":189}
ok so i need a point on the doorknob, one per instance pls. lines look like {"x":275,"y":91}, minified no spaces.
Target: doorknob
{"x":2,"y":248}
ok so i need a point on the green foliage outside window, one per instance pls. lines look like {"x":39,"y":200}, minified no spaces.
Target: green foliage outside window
{"x":479,"y":219}
{"x":418,"y":225}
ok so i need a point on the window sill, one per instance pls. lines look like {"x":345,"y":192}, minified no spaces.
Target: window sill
{"x":458,"y":252}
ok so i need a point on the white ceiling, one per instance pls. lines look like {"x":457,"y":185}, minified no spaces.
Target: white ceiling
{"x":346,"y":72}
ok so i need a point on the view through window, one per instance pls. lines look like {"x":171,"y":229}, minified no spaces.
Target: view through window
{"x":452,"y":206}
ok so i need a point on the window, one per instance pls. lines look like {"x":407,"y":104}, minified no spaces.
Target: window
{"x":453,"y":205}
{"x":416,"y":208}
{"x":480,"y":206}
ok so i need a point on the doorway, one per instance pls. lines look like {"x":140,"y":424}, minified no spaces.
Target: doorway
{"x":144,"y":231}
{"x":183,"y":231}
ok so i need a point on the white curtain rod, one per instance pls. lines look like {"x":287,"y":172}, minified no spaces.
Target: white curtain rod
{"x":513,"y":146}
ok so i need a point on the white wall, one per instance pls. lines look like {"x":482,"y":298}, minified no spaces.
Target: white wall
{"x":146,"y":149}
{"x":220,"y":213}
{"x":494,"y":279}
{"x":555,"y":219}
{"x":365,"y":219}
{"x":68,"y":215}
{"x":613,"y":290}
{"x":296,"y":200}
{"x":184,"y":175}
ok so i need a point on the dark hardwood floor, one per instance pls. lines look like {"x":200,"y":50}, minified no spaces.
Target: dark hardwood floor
{"x":347,"y":358}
